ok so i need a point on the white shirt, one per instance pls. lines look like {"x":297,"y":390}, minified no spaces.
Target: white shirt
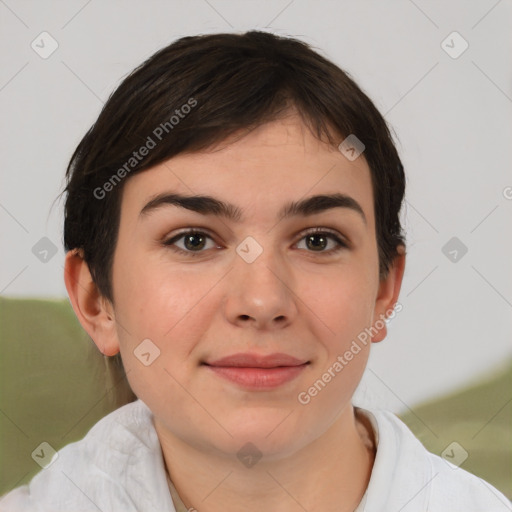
{"x":118,"y":467}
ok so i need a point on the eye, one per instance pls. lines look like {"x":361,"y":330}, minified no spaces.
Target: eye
{"x":321,"y":240}
{"x":192,"y":242}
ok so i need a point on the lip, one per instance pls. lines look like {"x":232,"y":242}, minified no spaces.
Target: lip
{"x":254,"y":371}
{"x":248,"y":360}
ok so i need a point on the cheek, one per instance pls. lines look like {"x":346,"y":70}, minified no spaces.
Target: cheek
{"x":170,"y":308}
{"x":155,"y":301}
{"x":344,"y":306}
{"x":342,"y":300}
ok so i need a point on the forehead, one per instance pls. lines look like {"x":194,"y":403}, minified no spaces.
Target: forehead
{"x":258,"y":170}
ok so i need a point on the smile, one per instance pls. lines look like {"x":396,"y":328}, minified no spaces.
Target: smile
{"x":258,"y":372}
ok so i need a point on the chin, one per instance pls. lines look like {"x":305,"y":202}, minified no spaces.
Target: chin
{"x":275,"y":432}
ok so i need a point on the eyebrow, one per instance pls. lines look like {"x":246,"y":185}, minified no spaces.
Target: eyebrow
{"x":207,"y":205}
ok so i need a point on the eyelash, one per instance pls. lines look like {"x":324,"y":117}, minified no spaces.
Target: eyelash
{"x":315,"y":231}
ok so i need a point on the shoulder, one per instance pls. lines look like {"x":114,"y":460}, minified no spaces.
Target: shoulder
{"x":107,"y":466}
{"x":412,"y":479}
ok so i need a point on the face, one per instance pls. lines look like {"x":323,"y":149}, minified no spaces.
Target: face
{"x":252,"y":304}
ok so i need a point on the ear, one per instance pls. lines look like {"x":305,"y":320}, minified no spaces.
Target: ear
{"x":95,"y":312}
{"x":387,"y":297}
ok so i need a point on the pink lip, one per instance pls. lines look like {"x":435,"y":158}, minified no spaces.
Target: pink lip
{"x":248,"y":360}
{"x":258,"y":372}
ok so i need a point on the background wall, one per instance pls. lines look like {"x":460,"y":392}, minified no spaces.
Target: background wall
{"x":439,"y":71}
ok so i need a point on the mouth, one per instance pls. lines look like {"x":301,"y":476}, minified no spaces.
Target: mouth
{"x":255,"y":372}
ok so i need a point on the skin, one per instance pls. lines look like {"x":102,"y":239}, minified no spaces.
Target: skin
{"x":292,"y":299}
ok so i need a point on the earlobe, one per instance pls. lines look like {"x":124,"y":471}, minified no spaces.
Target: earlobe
{"x":389,"y":290}
{"x":93,"y":311}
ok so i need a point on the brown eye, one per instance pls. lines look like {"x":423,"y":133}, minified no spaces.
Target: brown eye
{"x":194,"y":241}
{"x":316,"y":242}
{"x":321,"y":242}
{"x":191,"y":242}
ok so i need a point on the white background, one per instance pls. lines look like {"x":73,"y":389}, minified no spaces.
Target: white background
{"x":452,"y":117}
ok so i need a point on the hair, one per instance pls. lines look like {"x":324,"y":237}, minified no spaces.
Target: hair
{"x":194,"y":94}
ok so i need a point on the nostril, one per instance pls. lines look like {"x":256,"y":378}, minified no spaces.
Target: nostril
{"x":245,"y":317}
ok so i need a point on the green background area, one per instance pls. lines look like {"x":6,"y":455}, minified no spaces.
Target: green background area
{"x":55,"y":385}
{"x":479,"y":419}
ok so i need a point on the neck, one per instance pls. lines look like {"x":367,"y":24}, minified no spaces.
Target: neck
{"x":330,"y":474}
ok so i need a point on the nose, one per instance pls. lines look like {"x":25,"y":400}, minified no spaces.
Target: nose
{"x":260,"y":294}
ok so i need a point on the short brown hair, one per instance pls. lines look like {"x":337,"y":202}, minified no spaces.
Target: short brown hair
{"x":229,"y":83}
